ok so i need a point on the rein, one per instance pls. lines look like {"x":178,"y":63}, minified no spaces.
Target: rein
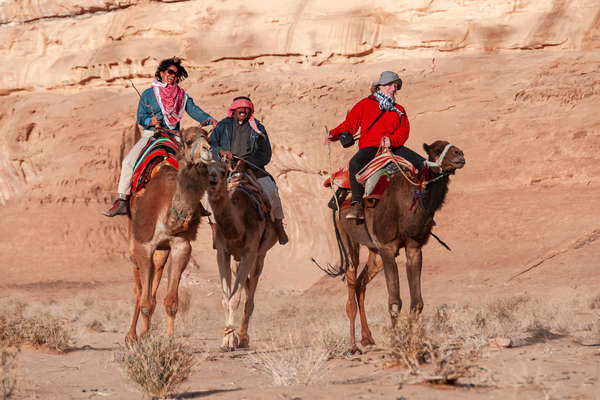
{"x":431,"y":164}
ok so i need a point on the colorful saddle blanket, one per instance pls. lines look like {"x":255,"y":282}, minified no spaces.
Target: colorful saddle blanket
{"x":375,"y":176}
{"x":157,"y":150}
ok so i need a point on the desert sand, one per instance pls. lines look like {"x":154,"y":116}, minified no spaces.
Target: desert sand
{"x":515,"y":84}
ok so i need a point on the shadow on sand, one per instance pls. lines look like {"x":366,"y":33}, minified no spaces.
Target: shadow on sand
{"x":204,"y":393}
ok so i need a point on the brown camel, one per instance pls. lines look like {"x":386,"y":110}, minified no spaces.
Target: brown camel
{"x":390,"y":226}
{"x":163,"y":221}
{"x":245,"y":232}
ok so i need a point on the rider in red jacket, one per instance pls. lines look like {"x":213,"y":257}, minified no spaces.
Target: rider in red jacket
{"x":377,"y":116}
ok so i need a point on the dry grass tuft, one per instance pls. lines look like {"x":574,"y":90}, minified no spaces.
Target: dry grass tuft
{"x":40,"y":330}
{"x":431,"y":351}
{"x":157,"y":365}
{"x":297,"y":356}
{"x":8,"y":376}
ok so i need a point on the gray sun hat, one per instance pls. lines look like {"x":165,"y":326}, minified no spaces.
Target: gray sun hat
{"x":388,"y":77}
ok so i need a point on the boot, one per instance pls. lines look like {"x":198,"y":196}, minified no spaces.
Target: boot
{"x":283,"y":237}
{"x":118,"y":208}
{"x":357,"y":212}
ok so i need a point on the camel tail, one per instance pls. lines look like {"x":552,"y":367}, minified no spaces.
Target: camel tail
{"x":329,"y":269}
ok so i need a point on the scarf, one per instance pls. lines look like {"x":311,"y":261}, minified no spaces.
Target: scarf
{"x":245,"y":103}
{"x":171,"y":100}
{"x":386,"y":103}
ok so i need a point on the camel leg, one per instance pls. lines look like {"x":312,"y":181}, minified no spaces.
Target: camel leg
{"x":132,"y":335}
{"x":250,"y":289}
{"x":224,"y":262}
{"x":143,"y":260}
{"x":414,"y":262}
{"x":393,"y":285}
{"x":374,"y":265}
{"x":181,"y":251}
{"x":241,"y":276}
{"x":351,"y":306}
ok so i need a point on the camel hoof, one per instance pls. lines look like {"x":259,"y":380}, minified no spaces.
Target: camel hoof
{"x":352,"y":351}
{"x":244,"y":343}
{"x":231,"y":339}
{"x":367,"y":341}
{"x":130,"y":338}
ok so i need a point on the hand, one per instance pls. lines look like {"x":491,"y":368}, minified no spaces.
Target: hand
{"x":227,"y":155}
{"x":154,"y":121}
{"x":328,"y":138}
{"x":211,"y":121}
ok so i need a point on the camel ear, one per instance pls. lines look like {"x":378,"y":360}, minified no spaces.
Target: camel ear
{"x":426,"y":147}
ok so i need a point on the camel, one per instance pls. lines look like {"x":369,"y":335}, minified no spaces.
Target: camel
{"x":164,"y":218}
{"x":388,"y":227}
{"x":245,"y":232}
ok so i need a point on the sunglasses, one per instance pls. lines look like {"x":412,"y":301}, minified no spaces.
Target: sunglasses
{"x":172,"y":72}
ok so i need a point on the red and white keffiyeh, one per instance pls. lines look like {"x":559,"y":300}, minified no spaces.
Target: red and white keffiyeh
{"x":239,"y":103}
{"x":171,"y":100}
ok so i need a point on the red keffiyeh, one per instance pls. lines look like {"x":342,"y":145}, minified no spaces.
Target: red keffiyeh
{"x":239,"y":103}
{"x":171,"y":100}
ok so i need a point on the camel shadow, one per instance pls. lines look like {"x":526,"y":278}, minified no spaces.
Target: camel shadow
{"x":203,"y":393}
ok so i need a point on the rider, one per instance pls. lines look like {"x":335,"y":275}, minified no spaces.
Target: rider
{"x":243,"y":136}
{"x":377,"y":115}
{"x":160,"y":106}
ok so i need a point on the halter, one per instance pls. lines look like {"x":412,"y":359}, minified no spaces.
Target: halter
{"x":440,"y":159}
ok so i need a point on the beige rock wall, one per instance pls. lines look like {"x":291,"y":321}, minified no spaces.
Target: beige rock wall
{"x":49,"y":44}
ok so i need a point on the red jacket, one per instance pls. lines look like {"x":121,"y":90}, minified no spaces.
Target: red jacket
{"x":362,"y":116}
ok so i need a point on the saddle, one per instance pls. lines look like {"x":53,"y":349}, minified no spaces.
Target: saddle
{"x":375,"y":177}
{"x":246,"y":182}
{"x":159,"y":151}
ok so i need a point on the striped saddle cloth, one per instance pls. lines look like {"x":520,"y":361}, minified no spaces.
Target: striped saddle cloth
{"x":159,"y":149}
{"x":375,"y":176}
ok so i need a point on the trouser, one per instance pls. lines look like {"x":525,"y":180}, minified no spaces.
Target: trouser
{"x":128,"y":163}
{"x":269,"y":189}
{"x":366,"y":154}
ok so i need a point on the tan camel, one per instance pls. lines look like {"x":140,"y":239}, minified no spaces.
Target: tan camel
{"x":390,"y":226}
{"x":245,"y":232}
{"x":163,"y":221}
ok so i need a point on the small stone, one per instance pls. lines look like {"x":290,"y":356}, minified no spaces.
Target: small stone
{"x":501,"y":342}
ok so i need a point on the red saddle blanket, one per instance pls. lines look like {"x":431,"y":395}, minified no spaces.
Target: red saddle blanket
{"x":375,"y":176}
{"x":157,"y":150}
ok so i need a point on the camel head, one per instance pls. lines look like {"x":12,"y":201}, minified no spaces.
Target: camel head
{"x":217,"y":178}
{"x":193,"y":168}
{"x":196,"y":145}
{"x":444,"y":155}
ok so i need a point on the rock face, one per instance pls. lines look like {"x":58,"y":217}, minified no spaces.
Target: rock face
{"x":515,"y":83}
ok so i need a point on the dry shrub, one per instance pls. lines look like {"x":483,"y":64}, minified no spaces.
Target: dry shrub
{"x":429,"y":348}
{"x":157,"y":365}
{"x":39,"y":330}
{"x":297,"y":356}
{"x":522,"y":318}
{"x":8,"y":376}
